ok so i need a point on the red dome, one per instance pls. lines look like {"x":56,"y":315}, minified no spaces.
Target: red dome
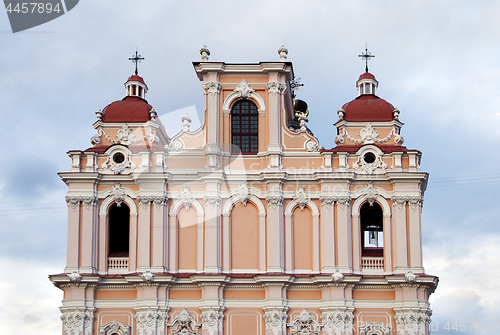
{"x":130,"y":109}
{"x":135,"y":77}
{"x":367,"y":75}
{"x":368,"y":107}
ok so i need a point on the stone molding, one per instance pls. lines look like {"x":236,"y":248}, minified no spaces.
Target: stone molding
{"x":212,"y":200}
{"x":157,"y":200}
{"x":275,"y":87}
{"x":275,"y":200}
{"x":329,"y":201}
{"x":368,"y":135}
{"x":150,"y":322}
{"x":78,"y":321}
{"x":301,"y":197}
{"x":369,"y":168}
{"x":304,"y":324}
{"x":337,"y":321}
{"x":211,"y":87}
{"x":242,"y":194}
{"x":186,"y":198}
{"x":118,"y":194}
{"x":212,"y":319}
{"x":275,"y":318}
{"x":243,"y":90}
{"x":74,"y":201}
{"x":412,"y":322}
{"x":126,"y":136}
{"x":371,"y":193}
{"x":375,"y":329}
{"x":401,"y":201}
{"x":114,"y":327}
{"x":184,"y":323}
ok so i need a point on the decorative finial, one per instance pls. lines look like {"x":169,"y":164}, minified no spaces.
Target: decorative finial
{"x":152,"y":113}
{"x":147,"y":276}
{"x":410,"y":277}
{"x":337,"y":277}
{"x":204,"y":52}
{"x":283,"y":52}
{"x":98,"y":113}
{"x":136,"y":59}
{"x":74,"y":277}
{"x":367,"y":56}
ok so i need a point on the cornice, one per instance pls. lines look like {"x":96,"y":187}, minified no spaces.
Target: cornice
{"x":273,"y":176}
{"x":79,"y":177}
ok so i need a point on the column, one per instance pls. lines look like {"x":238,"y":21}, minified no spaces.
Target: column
{"x":151,"y":317}
{"x":103,"y":244}
{"x":288,"y":243}
{"x":212,"y":300}
{"x":415,"y":233}
{"x":212,"y":89}
{"x":73,"y":247}
{"x":344,"y":237}
{"x":89,"y":234}
{"x":226,"y":248}
{"x":356,"y":244}
{"x":400,"y":251}
{"x":387,"y":243}
{"x":213,"y":224}
{"x":275,"y":309}
{"x":315,"y":246}
{"x":173,"y":248}
{"x":328,"y":235}
{"x":159,"y":262}
{"x":144,"y":233}
{"x":275,"y":232}
{"x":132,"y":266}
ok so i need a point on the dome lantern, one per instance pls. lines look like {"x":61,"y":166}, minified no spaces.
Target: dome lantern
{"x":367,"y":84}
{"x":136,"y":87}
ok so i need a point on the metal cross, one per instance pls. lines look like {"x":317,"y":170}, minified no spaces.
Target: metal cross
{"x":295,"y":86}
{"x":136,"y":59}
{"x":367,"y":56}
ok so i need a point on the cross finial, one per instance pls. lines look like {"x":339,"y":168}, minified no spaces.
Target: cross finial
{"x":367,"y":56}
{"x":136,"y":59}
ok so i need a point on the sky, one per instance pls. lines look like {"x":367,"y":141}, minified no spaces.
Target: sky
{"x":437,"y":61}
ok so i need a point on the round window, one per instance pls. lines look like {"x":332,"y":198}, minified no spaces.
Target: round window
{"x":369,"y":158}
{"x":118,"y":158}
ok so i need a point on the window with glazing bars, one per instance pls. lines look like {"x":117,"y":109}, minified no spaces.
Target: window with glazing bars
{"x":245,"y":127}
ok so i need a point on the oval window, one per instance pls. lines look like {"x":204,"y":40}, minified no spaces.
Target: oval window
{"x":369,"y":158}
{"x":118,"y":158}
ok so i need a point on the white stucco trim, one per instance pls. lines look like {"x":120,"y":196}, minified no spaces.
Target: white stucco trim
{"x":103,"y":211}
{"x":359,"y":201}
{"x":235,"y":200}
{"x":226,"y":106}
{"x":291,"y":205}
{"x":174,"y":210}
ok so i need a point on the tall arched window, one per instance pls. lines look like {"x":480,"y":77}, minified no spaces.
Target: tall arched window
{"x":372,"y":227}
{"x":119,"y":230}
{"x":245,"y":126}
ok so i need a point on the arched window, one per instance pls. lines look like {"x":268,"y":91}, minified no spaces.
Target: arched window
{"x":372,"y":228}
{"x":245,"y":126}
{"x":119,"y":230}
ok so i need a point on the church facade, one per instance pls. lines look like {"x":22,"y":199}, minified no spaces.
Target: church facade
{"x":246,"y":225}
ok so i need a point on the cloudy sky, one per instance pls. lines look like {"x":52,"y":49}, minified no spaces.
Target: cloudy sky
{"x":437,"y":61}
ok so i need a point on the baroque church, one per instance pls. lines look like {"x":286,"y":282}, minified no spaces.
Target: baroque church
{"x":246,"y":225}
